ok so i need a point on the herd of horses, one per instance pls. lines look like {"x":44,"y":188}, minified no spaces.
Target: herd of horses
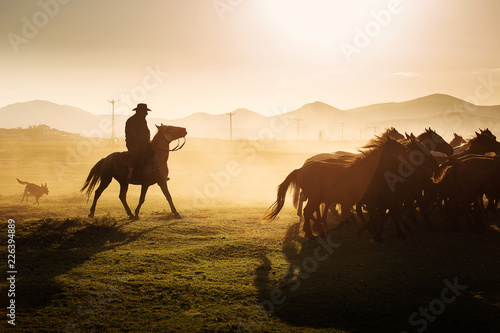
{"x":396,"y":176}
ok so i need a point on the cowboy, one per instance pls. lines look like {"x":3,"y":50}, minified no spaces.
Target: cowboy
{"x":137,"y":138}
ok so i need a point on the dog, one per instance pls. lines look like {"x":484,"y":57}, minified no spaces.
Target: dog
{"x":33,"y":189}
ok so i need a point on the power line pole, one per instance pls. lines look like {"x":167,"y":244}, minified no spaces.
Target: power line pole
{"x":298,"y":128}
{"x":231,"y":114}
{"x":113,"y":136}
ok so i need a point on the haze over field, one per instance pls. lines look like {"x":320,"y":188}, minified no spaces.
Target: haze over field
{"x":447,"y":114}
{"x":341,"y":68}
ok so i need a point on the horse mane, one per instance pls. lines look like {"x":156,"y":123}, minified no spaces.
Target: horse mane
{"x":374,"y":143}
{"x":477,"y":137}
{"x":156,"y":137}
{"x":367,"y":150}
{"x":388,"y":131}
{"x":427,"y":132}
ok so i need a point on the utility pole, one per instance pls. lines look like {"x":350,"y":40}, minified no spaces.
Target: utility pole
{"x":298,"y":128}
{"x":231,"y":114}
{"x":113,"y":136}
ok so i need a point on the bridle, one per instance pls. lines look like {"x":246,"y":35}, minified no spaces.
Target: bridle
{"x":177,"y":147}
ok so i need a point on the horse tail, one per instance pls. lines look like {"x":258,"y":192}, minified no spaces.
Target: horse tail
{"x":93,"y":178}
{"x":299,"y":198}
{"x":276,"y":207}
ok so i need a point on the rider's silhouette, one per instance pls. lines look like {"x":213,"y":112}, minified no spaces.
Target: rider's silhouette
{"x":137,"y":137}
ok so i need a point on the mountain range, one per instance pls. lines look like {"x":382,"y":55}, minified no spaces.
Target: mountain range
{"x":444,"y":113}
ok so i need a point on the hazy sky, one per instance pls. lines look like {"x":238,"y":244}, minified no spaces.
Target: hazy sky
{"x":186,"y":56}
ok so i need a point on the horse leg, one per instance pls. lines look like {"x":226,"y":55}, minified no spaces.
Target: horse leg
{"x":425,"y":211}
{"x":318,"y":219}
{"x":123,"y":198}
{"x":377,"y":220}
{"x":321,"y":222}
{"x":302,"y":198}
{"x":308,"y":215}
{"x":102,"y":186}
{"x":144,"y":190}
{"x":166,"y":193}
{"x":365,"y":225}
{"x":396,"y":218}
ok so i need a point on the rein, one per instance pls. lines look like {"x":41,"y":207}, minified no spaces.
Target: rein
{"x":179,"y":146}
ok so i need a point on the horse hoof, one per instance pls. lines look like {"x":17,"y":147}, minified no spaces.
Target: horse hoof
{"x":91,"y":215}
{"x":177,"y":216}
{"x":133,"y":218}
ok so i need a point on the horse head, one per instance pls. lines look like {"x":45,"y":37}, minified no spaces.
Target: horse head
{"x":457,"y":140}
{"x":434,"y":142}
{"x":488,"y":133}
{"x":484,"y":142}
{"x":171,"y":133}
{"x":421,"y":155}
{"x":168,"y":134}
{"x":393,"y":133}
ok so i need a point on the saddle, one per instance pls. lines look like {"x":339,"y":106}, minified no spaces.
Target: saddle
{"x":124,"y":157}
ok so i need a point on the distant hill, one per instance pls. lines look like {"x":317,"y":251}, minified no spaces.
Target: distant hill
{"x":36,"y":133}
{"x":444,"y":113}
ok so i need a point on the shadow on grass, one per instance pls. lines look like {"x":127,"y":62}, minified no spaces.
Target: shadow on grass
{"x":373,"y":287}
{"x":55,"y":247}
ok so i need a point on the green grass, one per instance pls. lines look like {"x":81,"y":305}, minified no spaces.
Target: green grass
{"x":207,"y":271}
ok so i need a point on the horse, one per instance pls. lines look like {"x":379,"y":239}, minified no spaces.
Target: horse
{"x":401,"y":186}
{"x":154,"y":171}
{"x":480,"y":144}
{"x":464,"y":181}
{"x":434,"y":142}
{"x":340,"y":157}
{"x":457,"y":141}
{"x":488,"y":133}
{"x":393,"y":133}
{"x":332,"y":183}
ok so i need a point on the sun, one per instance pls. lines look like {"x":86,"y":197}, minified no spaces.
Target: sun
{"x":316,"y":23}
{"x":313,"y":22}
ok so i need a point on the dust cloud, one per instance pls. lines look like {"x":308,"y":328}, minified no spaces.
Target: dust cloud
{"x":205,"y":173}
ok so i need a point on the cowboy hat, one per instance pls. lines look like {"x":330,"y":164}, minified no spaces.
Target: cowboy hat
{"x":141,"y":106}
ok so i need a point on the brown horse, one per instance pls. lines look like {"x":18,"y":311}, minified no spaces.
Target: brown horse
{"x":339,"y":158}
{"x":401,"y":187}
{"x":331,"y":183}
{"x":487,"y":132}
{"x":464,"y":181}
{"x":434,"y":142}
{"x":457,"y":141}
{"x":481,"y":143}
{"x":154,"y":171}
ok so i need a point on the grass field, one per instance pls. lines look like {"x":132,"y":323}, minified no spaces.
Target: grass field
{"x":220,"y":268}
